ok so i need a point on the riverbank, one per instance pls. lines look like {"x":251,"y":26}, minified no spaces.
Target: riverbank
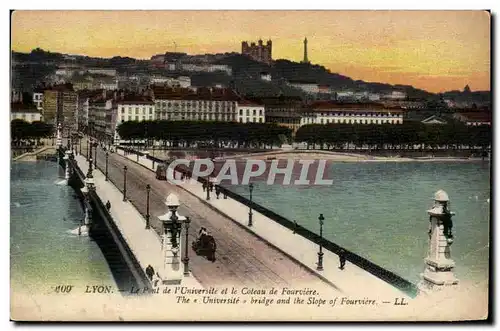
{"x":348,"y":157}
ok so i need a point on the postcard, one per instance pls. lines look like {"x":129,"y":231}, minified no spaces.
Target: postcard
{"x":250,"y":165}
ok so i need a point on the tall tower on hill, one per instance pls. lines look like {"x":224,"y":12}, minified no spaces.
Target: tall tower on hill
{"x":306,"y":60}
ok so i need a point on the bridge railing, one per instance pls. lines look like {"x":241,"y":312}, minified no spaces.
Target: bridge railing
{"x":109,"y":220}
{"x":384,"y":274}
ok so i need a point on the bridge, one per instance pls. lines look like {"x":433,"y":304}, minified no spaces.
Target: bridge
{"x":274,"y":252}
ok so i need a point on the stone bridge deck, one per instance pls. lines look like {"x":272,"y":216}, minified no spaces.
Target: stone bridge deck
{"x":243,"y":259}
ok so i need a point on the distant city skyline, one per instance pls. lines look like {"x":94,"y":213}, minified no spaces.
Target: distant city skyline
{"x":436,"y":51}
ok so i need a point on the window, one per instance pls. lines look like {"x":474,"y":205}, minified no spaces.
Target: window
{"x":150,"y":110}
{"x":130,"y":110}
{"x":260,"y":112}
{"x":241,"y":112}
{"x":137,"y":118}
{"x":254,"y":112}
{"x":241,"y":120}
{"x":248,"y":112}
{"x":254,"y":119}
{"x":260,"y":120}
{"x":248,"y":119}
{"x":123,"y":110}
{"x":136,"y":110}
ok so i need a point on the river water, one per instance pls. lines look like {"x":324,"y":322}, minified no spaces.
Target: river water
{"x":378,"y":210}
{"x":43,"y":252}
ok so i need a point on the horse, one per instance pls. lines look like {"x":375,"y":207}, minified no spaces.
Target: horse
{"x":205,"y":246}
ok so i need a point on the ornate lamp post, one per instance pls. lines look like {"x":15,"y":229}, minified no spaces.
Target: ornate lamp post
{"x":250,"y":213}
{"x":88,"y":148}
{"x":148,"y":189}
{"x":95,"y":153}
{"x":106,"y":172}
{"x":80,"y":147}
{"x":186,"y":250}
{"x":59,"y":138}
{"x":172,"y":226}
{"x":124,"y":183}
{"x":320,"y":253}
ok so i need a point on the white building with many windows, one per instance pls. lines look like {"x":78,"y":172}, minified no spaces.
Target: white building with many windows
{"x":133,"y":110}
{"x":249,"y":112}
{"x":204,"y":104}
{"x":351,"y":113}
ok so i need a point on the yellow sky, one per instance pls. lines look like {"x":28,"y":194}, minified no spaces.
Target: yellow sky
{"x":436,"y":51}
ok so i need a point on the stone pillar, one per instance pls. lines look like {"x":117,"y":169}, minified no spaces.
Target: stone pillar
{"x":59,"y":136}
{"x":67,"y":170}
{"x":438,"y":273}
{"x":171,"y":242}
{"x":89,"y":187}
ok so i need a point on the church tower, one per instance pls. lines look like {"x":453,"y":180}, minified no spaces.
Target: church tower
{"x":306,"y":60}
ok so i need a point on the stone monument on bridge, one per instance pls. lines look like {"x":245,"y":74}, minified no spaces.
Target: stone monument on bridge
{"x":438,"y":273}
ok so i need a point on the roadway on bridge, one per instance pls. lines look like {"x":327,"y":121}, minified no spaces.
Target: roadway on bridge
{"x":242,"y":258}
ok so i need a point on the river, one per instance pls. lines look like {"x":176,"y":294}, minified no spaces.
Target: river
{"x":43,"y":252}
{"x":378,"y":210}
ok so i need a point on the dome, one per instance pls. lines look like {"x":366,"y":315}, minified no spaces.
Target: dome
{"x":441,"y":196}
{"x":172,"y":200}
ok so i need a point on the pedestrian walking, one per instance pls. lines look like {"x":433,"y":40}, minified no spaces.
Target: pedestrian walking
{"x":150,"y":272}
{"x":108,"y":205}
{"x":342,"y":259}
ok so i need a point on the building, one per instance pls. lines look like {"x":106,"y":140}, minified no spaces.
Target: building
{"x":394,"y":95}
{"x":250,"y":112}
{"x":265,"y":76}
{"x":324,"y":112}
{"x":38,"y":99}
{"x":473,"y":118}
{"x":25,"y":112}
{"x":102,"y":71}
{"x":282,"y":110}
{"x":306,"y":86}
{"x":259,"y":52}
{"x":200,"y":67}
{"x":51,"y":104}
{"x":134,"y":108}
{"x":181,"y":81}
{"x":204,"y":104}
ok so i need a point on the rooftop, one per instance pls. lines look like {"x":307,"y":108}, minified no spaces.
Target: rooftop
{"x":202,"y":93}
{"x":351,"y":106}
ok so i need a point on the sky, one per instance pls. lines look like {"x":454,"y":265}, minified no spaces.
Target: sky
{"x":433,"y":50}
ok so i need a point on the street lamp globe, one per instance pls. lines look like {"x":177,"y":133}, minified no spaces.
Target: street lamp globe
{"x":172,"y":201}
{"x":321,"y":219}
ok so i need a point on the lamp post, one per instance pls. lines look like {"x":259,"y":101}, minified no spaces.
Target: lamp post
{"x":320,"y":253}
{"x":124,"y":183}
{"x":186,"y":250}
{"x":80,"y":143}
{"x":95,"y":153}
{"x":148,"y":189}
{"x":250,"y":213}
{"x":106,"y":173}
{"x":88,"y":148}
